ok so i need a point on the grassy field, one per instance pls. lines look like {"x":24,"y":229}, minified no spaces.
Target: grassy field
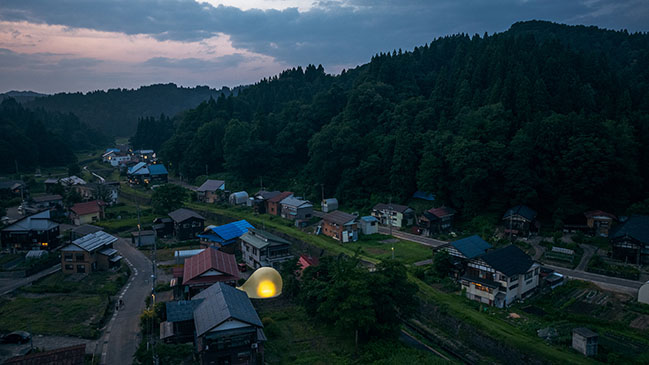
{"x":380,"y":246}
{"x":293,"y":338}
{"x":99,"y":283}
{"x":71,"y":315}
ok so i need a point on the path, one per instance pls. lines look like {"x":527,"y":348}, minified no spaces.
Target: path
{"x":589,"y":251}
{"x":605,"y":282}
{"x":426,"y":241}
{"x":538,"y":249}
{"x":121,"y":337}
{"x":9,"y":285}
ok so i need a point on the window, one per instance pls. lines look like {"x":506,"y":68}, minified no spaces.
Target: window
{"x":69,"y":267}
{"x":528,"y":275}
{"x":513,"y":278}
{"x":536,"y":272}
{"x":68,"y":257}
{"x":81,"y":269}
{"x":80,"y":257}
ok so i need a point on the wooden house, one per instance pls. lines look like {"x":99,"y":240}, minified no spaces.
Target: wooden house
{"x":36,"y":231}
{"x":296,"y":209}
{"x":630,"y":240}
{"x":273,"y":205}
{"x":90,"y":253}
{"x":520,"y":221}
{"x":340,"y":226}
{"x":88,"y":212}
{"x":204,"y":269}
{"x":436,"y":220}
{"x":211,"y":191}
{"x":395,"y":215}
{"x":187,"y":224}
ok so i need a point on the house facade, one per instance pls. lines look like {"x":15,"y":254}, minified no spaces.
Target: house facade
{"x":520,"y":221}
{"x":37,"y":231}
{"x":90,"y":253}
{"x":187,"y":224}
{"x":369,"y":225}
{"x":203,"y":270}
{"x":88,"y":212}
{"x":340,"y":226}
{"x":260,"y":248}
{"x":211,"y":191}
{"x":158,"y":173}
{"x":273,"y":205}
{"x":630,"y":240}
{"x":261,"y":198}
{"x":296,"y":209}
{"x":395,"y":215}
{"x":599,"y":222}
{"x":435,"y":221}
{"x":500,"y":277}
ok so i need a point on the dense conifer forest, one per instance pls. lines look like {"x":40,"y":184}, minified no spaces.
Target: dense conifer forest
{"x":37,"y":138}
{"x":544,"y":114}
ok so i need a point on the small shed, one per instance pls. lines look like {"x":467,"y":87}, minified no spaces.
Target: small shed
{"x":143,"y":238}
{"x":238,"y":198}
{"x":329,"y":205}
{"x":369,"y":225}
{"x":643,"y":293}
{"x":585,"y":341}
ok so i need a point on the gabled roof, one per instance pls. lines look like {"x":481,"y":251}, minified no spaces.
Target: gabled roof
{"x":339,"y":217}
{"x":211,"y":185}
{"x":261,"y":239}
{"x":39,"y":222}
{"x":471,"y":247}
{"x":330,"y":201}
{"x":295,"y":202}
{"x":72,"y":180}
{"x":509,"y":260}
{"x":599,"y":213}
{"x":522,"y":210}
{"x":137,"y":167}
{"x":636,"y":227}
{"x":222,"y":302}
{"x":230,"y":231}
{"x":90,"y":207}
{"x":423,"y":195}
{"x":182,"y":214}
{"x":158,"y":169}
{"x":47,"y":198}
{"x":281,"y":196}
{"x":442,"y":212}
{"x":210,"y":259}
{"x":265,"y":195}
{"x":86,"y":229}
{"x":395,"y":207}
{"x":182,"y":310}
{"x":93,"y":241}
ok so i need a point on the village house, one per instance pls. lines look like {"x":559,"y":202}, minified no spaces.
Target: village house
{"x":211,"y":191}
{"x":37,"y":231}
{"x":225,"y":236}
{"x":261,"y":198}
{"x":467,"y":248}
{"x":108,"y":153}
{"x":83,"y":230}
{"x":500,"y":277}
{"x":393,"y":214}
{"x":90,"y":253}
{"x":163,"y":227}
{"x":12,"y":188}
{"x":233,"y":334}
{"x":436,"y":220}
{"x":520,"y":221}
{"x":630,"y":240}
{"x":51,"y":201}
{"x":340,"y":226}
{"x":329,"y":205}
{"x":306,"y":261}
{"x":296,"y":209}
{"x":260,"y":248}
{"x":88,"y":212}
{"x":148,"y":156}
{"x":138,"y":174}
{"x":369,"y":225}
{"x":158,"y":174}
{"x":143,"y":238}
{"x":204,"y":269}
{"x":599,"y":222}
{"x":51,"y":184}
{"x":116,"y":158}
{"x":273,"y":205}
{"x":187,"y":224}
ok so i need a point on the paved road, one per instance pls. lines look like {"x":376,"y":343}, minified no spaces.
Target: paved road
{"x":9,"y":285}
{"x":605,"y":282}
{"x":426,"y":241}
{"x":589,"y":251}
{"x":121,"y":336}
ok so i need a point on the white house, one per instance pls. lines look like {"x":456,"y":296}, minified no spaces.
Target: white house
{"x":260,"y":248}
{"x":500,"y":277}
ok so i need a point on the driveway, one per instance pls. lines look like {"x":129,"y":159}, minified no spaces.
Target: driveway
{"x":122,"y":333}
{"x":426,"y":241}
{"x":589,"y":251}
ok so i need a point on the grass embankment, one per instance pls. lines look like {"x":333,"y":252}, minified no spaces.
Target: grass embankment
{"x":62,"y":305}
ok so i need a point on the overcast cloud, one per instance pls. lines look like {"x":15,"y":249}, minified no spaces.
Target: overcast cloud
{"x":258,"y":43}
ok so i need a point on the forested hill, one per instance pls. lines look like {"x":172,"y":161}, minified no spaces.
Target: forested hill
{"x":116,"y":111}
{"x":549,"y":115}
{"x":37,"y":138}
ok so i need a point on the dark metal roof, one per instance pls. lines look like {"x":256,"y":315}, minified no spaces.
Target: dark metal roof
{"x":211,"y":185}
{"x":86,"y":229}
{"x":182,"y":214}
{"x":522,"y":210}
{"x":636,"y":227}
{"x":281,"y":196}
{"x":509,"y":260}
{"x":471,"y":247}
{"x":339,"y":217}
{"x":395,"y":207}
{"x":210,"y":259}
{"x":265,"y":195}
{"x":47,"y":198}
{"x":220,"y":303}
{"x":442,"y":211}
{"x":585,"y":332}
{"x":182,"y":310}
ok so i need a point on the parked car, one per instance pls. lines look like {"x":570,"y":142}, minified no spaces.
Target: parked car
{"x":16,"y":337}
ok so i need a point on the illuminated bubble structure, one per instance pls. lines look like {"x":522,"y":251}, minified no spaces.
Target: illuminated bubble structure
{"x":264,"y":283}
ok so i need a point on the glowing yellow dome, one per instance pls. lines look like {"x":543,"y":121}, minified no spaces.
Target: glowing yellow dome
{"x":264,"y":283}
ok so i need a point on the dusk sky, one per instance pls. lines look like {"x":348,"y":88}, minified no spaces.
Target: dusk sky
{"x":81,"y":45}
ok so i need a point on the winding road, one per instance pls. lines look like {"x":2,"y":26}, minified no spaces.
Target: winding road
{"x":122,"y":333}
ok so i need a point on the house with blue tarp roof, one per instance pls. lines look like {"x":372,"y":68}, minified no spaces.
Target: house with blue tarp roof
{"x":224,"y":236}
{"x":158,"y":173}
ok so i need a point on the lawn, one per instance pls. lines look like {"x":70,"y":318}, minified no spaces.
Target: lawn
{"x":380,"y":246}
{"x":71,"y":315}
{"x":294,"y":338}
{"x":97,"y":283}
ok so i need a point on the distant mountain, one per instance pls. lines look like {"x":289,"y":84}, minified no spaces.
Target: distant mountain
{"x":21,"y":96}
{"x":116,"y":111}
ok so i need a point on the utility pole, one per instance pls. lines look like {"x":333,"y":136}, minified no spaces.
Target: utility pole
{"x":390,"y":224}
